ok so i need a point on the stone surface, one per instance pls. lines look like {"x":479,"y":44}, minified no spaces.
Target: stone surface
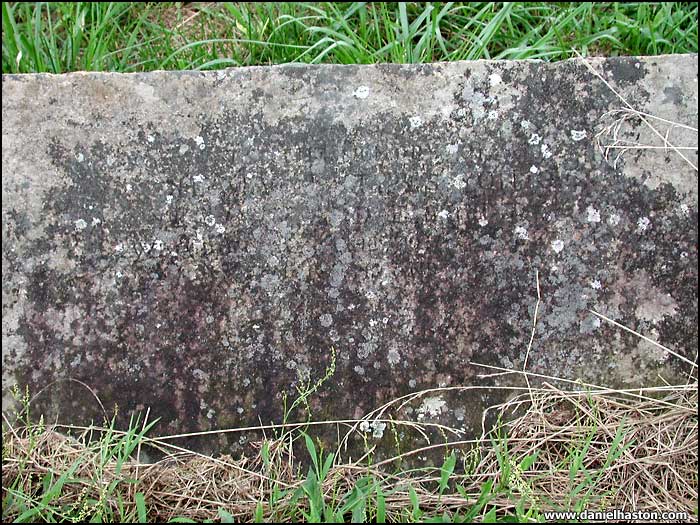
{"x":199,"y":243}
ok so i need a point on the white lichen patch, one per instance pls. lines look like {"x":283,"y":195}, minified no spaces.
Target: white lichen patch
{"x":614,"y":219}
{"x":200,"y":374}
{"x":361,"y":92}
{"x":592,"y":215}
{"x":684,"y":210}
{"x":534,"y":169}
{"x":596,"y":284}
{"x":158,"y":244}
{"x":119,"y":247}
{"x":444,"y":214}
{"x":521,"y":233}
{"x":577,"y":135}
{"x":80,"y":225}
{"x":643,"y":224}
{"x":393,"y":357}
{"x":80,"y":157}
{"x":492,"y":115}
{"x":525,"y":124}
{"x":557,"y":245}
{"x":378,"y":431}
{"x":495,"y":79}
{"x":432,"y":406}
{"x":376,"y":427}
{"x":451,"y":148}
{"x":476,"y":102}
{"x":198,"y":243}
{"x":546,"y":152}
{"x":209,"y":220}
{"x":458,"y":182}
{"x":506,"y":362}
{"x":360,"y":370}
{"x":200,"y":142}
{"x":220,"y":228}
{"x":210,"y":413}
{"x":169,"y":199}
{"x":336,"y":218}
{"x":483,"y":221}
{"x":326,"y":320}
{"x":184,"y":148}
{"x":95,"y":221}
{"x":534,"y":139}
{"x":415,"y":122}
{"x":198,"y":178}
{"x":412,"y":383}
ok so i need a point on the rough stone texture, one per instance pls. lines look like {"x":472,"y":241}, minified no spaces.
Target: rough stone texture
{"x":198,"y":242}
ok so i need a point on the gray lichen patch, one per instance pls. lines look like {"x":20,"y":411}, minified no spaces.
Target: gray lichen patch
{"x":201,"y":243}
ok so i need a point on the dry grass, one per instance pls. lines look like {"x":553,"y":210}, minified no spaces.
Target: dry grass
{"x":594,"y":449}
{"x":658,"y":439}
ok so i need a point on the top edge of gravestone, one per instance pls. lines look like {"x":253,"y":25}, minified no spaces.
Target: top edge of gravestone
{"x":313,"y":67}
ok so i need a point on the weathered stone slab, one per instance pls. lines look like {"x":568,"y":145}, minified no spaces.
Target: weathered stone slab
{"x":197,"y":242}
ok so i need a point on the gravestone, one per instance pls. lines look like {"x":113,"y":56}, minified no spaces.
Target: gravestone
{"x":202,"y":243}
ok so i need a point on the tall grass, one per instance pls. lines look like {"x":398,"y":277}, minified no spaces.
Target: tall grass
{"x":58,"y":37}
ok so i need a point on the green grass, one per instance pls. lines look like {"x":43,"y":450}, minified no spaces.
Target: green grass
{"x":81,"y":490}
{"x":58,"y":37}
{"x":570,"y":451}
